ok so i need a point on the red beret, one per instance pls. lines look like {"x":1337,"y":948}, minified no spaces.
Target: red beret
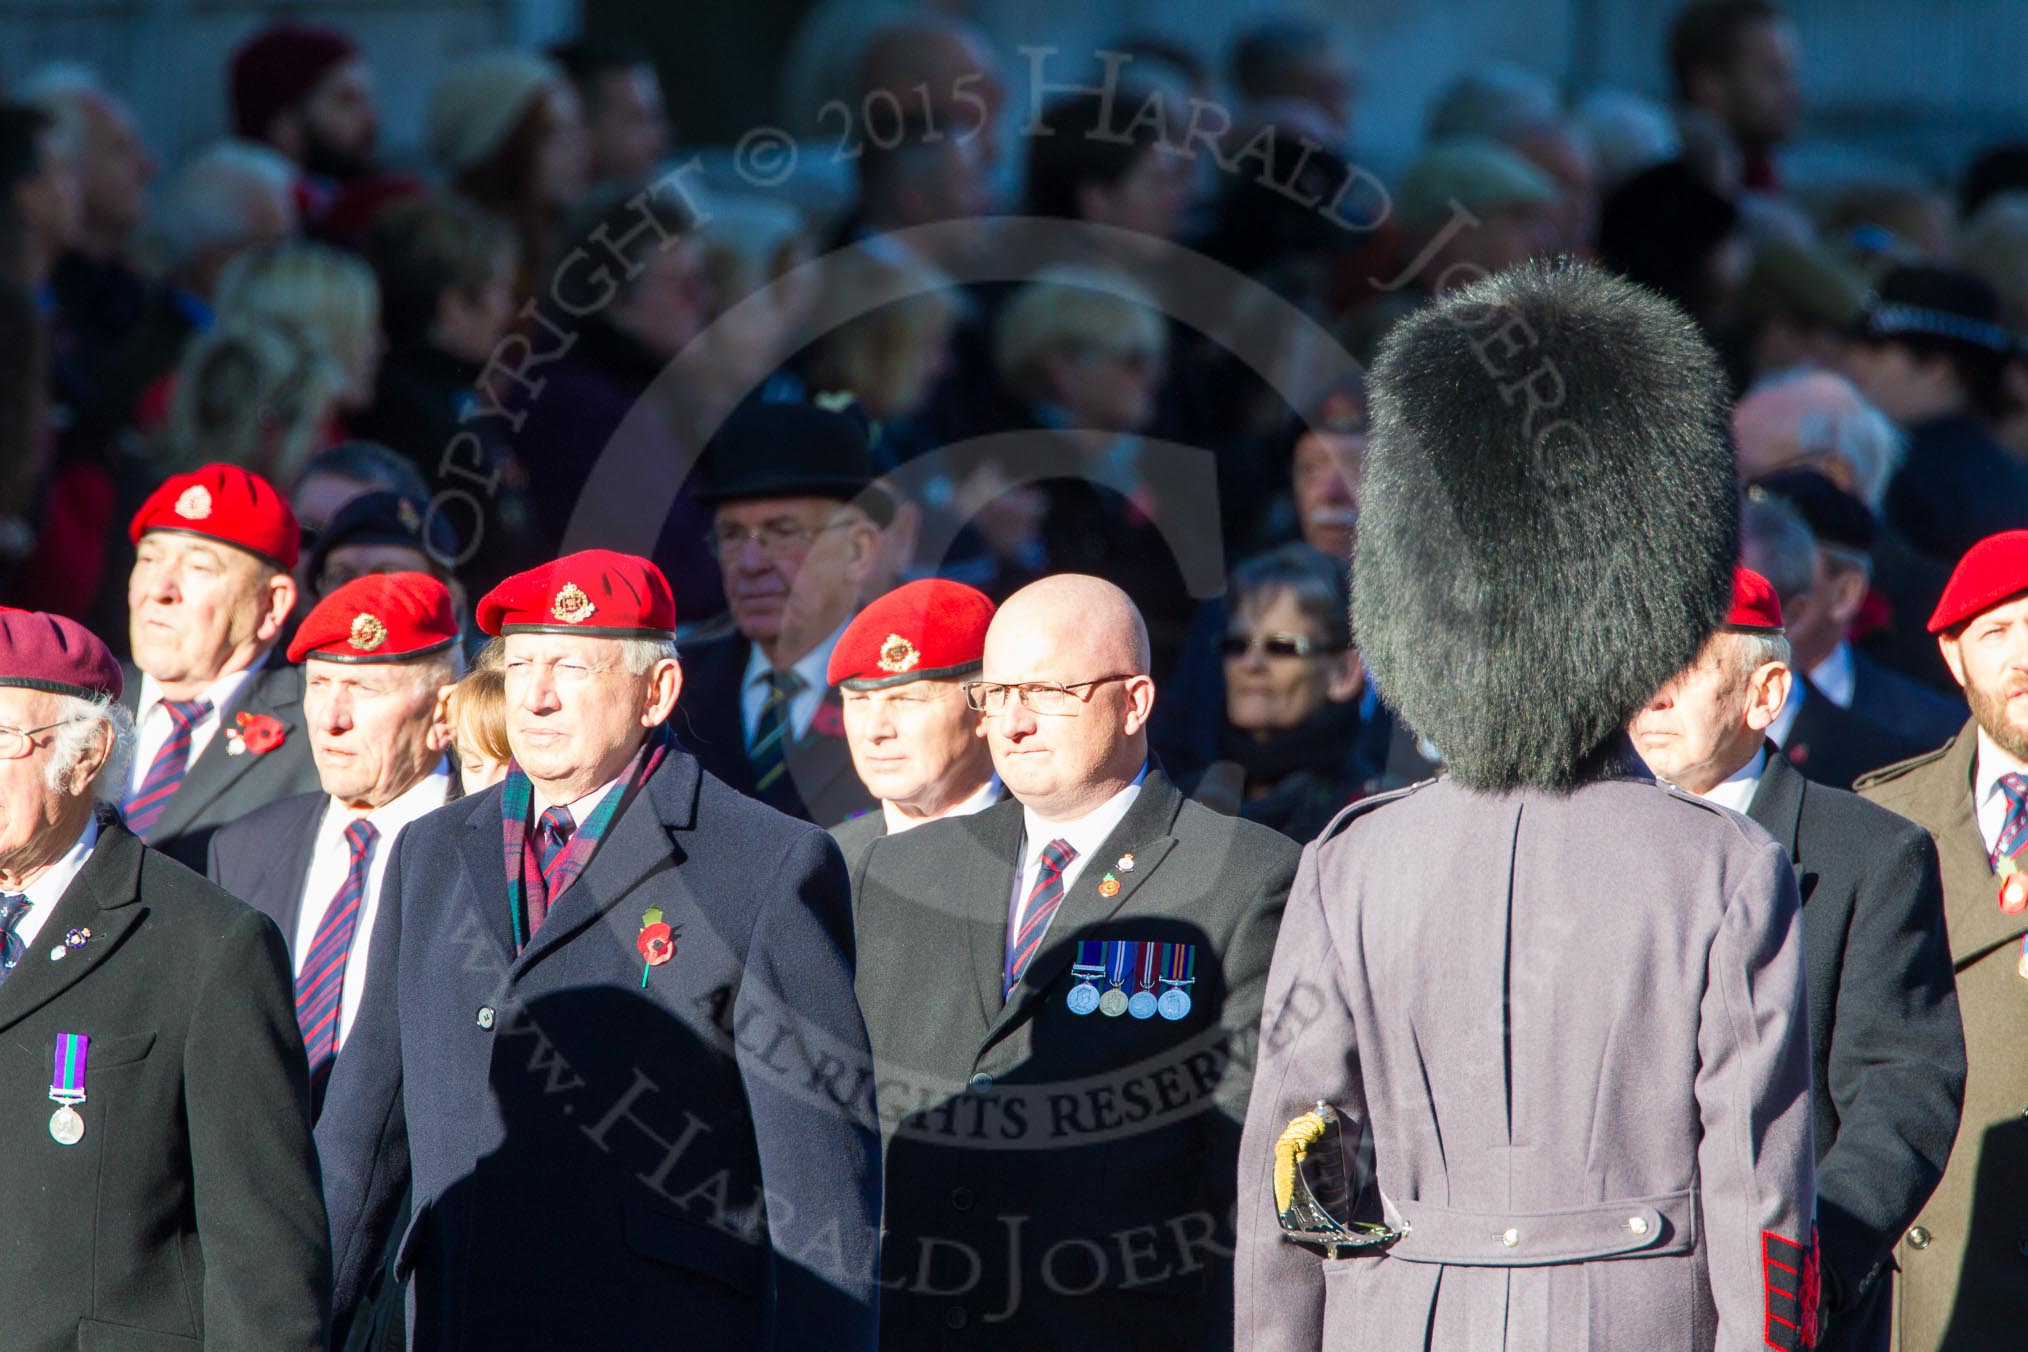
{"x":597,"y":591}
{"x":278,"y":66}
{"x":922,"y":631}
{"x":382,"y":617}
{"x":227,"y":503}
{"x":54,"y":653}
{"x":1993,"y":570}
{"x":1755,"y":607}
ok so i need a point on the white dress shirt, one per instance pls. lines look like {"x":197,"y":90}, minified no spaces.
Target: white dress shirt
{"x":1836,"y":677}
{"x":814,"y":668}
{"x":46,"y":891}
{"x":979,"y":800}
{"x":1084,"y":835}
{"x":1737,"y":789}
{"x":1988,"y":797}
{"x":331,"y":858}
{"x":154,"y":726}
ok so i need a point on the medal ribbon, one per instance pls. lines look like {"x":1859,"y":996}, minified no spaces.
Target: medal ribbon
{"x":1119,"y":961}
{"x":1151,"y":954}
{"x":1090,"y":956}
{"x":67,"y":1078}
{"x":1181,"y":964}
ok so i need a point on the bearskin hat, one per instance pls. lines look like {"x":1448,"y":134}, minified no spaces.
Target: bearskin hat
{"x":1548,"y":520}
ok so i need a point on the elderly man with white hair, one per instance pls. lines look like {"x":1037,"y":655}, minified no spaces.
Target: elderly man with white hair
{"x":160,"y":1187}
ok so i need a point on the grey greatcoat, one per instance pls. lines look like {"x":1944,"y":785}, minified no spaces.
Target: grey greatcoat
{"x":1572,"y":1029}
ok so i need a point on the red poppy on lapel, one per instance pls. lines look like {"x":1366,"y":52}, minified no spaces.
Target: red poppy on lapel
{"x":258,"y":733}
{"x":656,"y":944}
{"x":2013,"y":890}
{"x":829,"y":720}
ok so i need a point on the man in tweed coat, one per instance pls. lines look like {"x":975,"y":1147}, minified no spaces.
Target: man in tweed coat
{"x":1558,"y":1005}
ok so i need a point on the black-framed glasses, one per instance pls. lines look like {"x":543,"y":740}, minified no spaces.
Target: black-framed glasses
{"x":777,"y":539}
{"x":1038,"y":697}
{"x":1274,"y":645}
{"x":14,"y":742}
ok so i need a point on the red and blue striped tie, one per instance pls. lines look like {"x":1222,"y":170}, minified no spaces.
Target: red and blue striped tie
{"x":322,"y":979}
{"x":145,"y":805}
{"x":2014,"y":830}
{"x":1043,"y":899}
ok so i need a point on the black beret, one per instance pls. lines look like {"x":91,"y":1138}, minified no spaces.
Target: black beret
{"x":785,"y":450}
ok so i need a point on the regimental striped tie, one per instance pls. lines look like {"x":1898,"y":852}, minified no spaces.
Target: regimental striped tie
{"x":1043,"y":899}
{"x":322,"y":979}
{"x":769,"y":753}
{"x":2014,"y":830}
{"x":145,"y":805}
{"x":12,"y":907}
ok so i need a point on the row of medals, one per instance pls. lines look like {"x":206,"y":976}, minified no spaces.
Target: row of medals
{"x":1172,"y":1004}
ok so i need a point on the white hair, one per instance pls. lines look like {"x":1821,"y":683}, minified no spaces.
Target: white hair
{"x":208,"y":204}
{"x":1629,"y":133}
{"x":66,"y":91}
{"x":1495,"y":101}
{"x":641,"y":654}
{"x":1755,"y":651}
{"x":84,"y":722}
{"x":1850,"y":429}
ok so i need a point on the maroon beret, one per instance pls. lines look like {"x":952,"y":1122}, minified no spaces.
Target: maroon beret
{"x":228,"y":504}
{"x":382,"y":617}
{"x":1993,"y":570}
{"x":921,"y":631}
{"x":39,"y":651}
{"x":1755,"y":607}
{"x":278,"y":66}
{"x":596,"y":591}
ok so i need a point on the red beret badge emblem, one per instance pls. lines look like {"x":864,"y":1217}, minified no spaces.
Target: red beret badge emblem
{"x":194,"y":504}
{"x":572,"y":605}
{"x":368,"y":632}
{"x":897,"y":655}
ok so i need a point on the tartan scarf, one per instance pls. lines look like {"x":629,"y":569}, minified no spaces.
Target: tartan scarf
{"x":529,"y":894}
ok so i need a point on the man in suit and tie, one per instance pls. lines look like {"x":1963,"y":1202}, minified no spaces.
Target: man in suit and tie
{"x":160,"y":1188}
{"x":1828,"y":743}
{"x":609,"y":1021}
{"x":1887,"y":1063}
{"x":916,"y":744}
{"x":796,"y":523}
{"x":1844,"y":530}
{"x":1061,"y":992}
{"x":1962,"y":1261}
{"x":219,"y":721}
{"x":375,"y":654}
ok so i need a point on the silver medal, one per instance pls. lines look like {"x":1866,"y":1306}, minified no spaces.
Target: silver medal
{"x":1142,"y":1006}
{"x":1175,"y":1003}
{"x":1084,"y":998}
{"x":66,"y":1126}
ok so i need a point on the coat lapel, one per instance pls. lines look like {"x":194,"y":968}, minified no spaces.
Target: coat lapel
{"x":640,"y":843}
{"x":481,"y":849}
{"x":1143,"y":833}
{"x":275,"y":691}
{"x":101,"y":898}
{"x":1777,"y":804}
{"x":288,"y":870}
{"x":1972,"y":912}
{"x":995,"y":844}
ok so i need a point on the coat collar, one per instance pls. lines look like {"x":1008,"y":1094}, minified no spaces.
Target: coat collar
{"x":643,"y":840}
{"x":1777,"y":804}
{"x":101,"y":898}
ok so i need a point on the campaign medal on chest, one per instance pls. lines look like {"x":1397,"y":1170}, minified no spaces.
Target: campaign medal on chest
{"x":1090,"y":965}
{"x":1119,"y":962}
{"x":1145,"y":1003}
{"x":67,"y":1087}
{"x":1179,"y":974}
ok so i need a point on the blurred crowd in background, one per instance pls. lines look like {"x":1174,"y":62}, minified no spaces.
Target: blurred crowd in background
{"x":434,"y":365}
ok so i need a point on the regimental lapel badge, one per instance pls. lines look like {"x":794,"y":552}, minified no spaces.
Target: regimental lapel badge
{"x":1109,"y":886}
{"x":656,"y":942}
{"x":1125,"y":863}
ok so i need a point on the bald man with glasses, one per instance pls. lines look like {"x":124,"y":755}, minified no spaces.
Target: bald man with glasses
{"x":1062,"y":993}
